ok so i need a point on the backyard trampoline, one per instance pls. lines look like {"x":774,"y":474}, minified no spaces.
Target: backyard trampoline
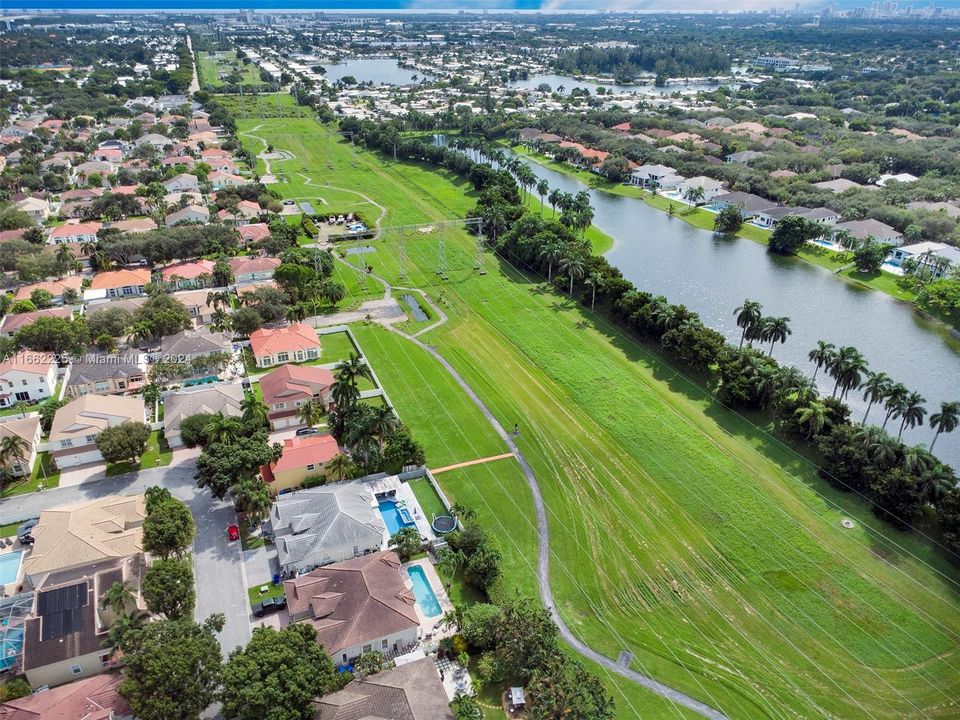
{"x":443,"y":524}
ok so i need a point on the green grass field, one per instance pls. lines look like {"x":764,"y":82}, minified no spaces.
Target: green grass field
{"x":679,"y":531}
{"x":157,"y":454}
{"x":211,"y":65}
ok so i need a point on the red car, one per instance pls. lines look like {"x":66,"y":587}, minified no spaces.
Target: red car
{"x":233,"y":532}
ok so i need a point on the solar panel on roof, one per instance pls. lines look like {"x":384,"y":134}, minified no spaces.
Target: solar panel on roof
{"x":62,"y":610}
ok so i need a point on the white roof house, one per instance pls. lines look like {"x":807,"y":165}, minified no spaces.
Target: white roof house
{"x":326,"y":524}
{"x":937,"y":257}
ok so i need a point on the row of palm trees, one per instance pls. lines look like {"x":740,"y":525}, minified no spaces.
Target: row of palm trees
{"x":756,"y":327}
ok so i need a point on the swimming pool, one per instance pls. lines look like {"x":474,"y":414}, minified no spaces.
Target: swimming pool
{"x":429,"y":605}
{"x":394,"y":516}
{"x":10,"y":566}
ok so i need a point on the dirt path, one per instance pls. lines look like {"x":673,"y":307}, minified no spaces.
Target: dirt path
{"x":468,"y":463}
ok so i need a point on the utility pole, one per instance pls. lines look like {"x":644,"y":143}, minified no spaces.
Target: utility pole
{"x":442,"y":257}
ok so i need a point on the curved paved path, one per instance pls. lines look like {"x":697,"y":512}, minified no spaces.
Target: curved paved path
{"x":543,"y":557}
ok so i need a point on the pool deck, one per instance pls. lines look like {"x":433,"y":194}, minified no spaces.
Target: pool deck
{"x":428,"y":626}
{"x":404,"y":494}
{"x":10,"y":588}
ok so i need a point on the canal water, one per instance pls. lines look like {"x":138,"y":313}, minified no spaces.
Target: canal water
{"x":712,"y":275}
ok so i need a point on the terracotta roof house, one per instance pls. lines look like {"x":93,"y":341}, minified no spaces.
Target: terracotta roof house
{"x":302,"y":457}
{"x":220,"y":180}
{"x":64,"y":639}
{"x":290,"y":386}
{"x":54,"y":287}
{"x":190,"y":273}
{"x":412,"y":691}
{"x":294,"y":343}
{"x":77,"y":424}
{"x":85,"y":534}
{"x":120,"y":283}
{"x":96,"y":698}
{"x":253,"y":232}
{"x":247,"y":270}
{"x":28,"y":377}
{"x":246,"y":210}
{"x":325,"y":524}
{"x":28,"y":430}
{"x":359,"y":605}
{"x":11,"y":323}
{"x":74,"y":232}
{"x":104,"y":375}
{"x":210,"y":400}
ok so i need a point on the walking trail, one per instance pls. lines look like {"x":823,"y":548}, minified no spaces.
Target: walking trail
{"x":543,"y":529}
{"x":468,"y":463}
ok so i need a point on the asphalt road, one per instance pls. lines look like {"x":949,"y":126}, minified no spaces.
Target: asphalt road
{"x":218,"y":563}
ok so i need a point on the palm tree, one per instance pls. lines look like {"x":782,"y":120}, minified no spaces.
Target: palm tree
{"x":354,"y":368}
{"x":118,"y":597}
{"x":296,"y":313}
{"x":775,"y":329}
{"x":894,"y":402}
{"x":554,"y":198}
{"x":875,"y":388}
{"x":122,"y":629}
{"x":252,"y":497}
{"x":935,"y":483}
{"x":572,"y":263}
{"x":593,"y":280}
{"x":450,"y":561}
{"x":913,"y":412}
{"x":884,"y":450}
{"x":340,"y":468}
{"x":344,"y":391}
{"x":813,"y":417}
{"x":140,"y":332}
{"x":946,"y":420}
{"x":917,"y":460}
{"x":550,"y":253}
{"x":694,"y":194}
{"x":847,"y":368}
{"x":216,"y":300}
{"x":254,"y":409}
{"x":821,"y":355}
{"x":224,"y":429}
{"x":383,"y":421}
{"x":13,"y":451}
{"x":543,"y":187}
{"x":220,"y":320}
{"x":748,"y":316}
{"x":494,"y":220}
{"x":310,"y":413}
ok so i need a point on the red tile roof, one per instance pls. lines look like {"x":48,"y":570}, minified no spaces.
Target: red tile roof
{"x":89,"y":699}
{"x":119,"y":278}
{"x":268,"y":342}
{"x":188,"y":270}
{"x":294,"y":382}
{"x":298,"y":452}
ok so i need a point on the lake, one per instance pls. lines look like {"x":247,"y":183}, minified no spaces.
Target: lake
{"x":568,"y":83}
{"x":712,"y":275}
{"x":375,"y":70}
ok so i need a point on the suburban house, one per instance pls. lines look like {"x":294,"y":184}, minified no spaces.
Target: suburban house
{"x":710,"y":187}
{"x":27,"y":376}
{"x":38,"y":209}
{"x":95,"y":698}
{"x":119,"y":283}
{"x":649,"y":176}
{"x":253,"y":232}
{"x":104,"y":375}
{"x":220,"y":180}
{"x":134,"y":225}
{"x":189,"y":214}
{"x":65,"y":639}
{"x":252,"y":269}
{"x":936,"y":257}
{"x":839,"y":185}
{"x":55,"y":287}
{"x":413,"y":689}
{"x":743,"y":157}
{"x":325,"y":524}
{"x":28,"y":430}
{"x":184,"y":182}
{"x":159,"y":142}
{"x":357,"y":606}
{"x":302,"y":457}
{"x":74,"y":233}
{"x":189,"y":344}
{"x":290,"y":386}
{"x":76,"y":426}
{"x":294,"y":343}
{"x":245,"y":212}
{"x":748,"y":203}
{"x":84,"y":535}
{"x":11,"y":323}
{"x":195,"y":301}
{"x":210,"y":400}
{"x":870,"y":228}
{"x":193,"y":273}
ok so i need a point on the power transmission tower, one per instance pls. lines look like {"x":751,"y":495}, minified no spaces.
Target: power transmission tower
{"x":442,"y":257}
{"x":478,"y":263}
{"x":403,"y":259}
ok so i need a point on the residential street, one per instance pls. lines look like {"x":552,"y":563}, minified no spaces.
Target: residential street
{"x":218,"y":563}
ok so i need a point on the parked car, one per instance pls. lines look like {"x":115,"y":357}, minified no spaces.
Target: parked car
{"x":288,"y":202}
{"x":233,"y":533}
{"x":26,"y":527}
{"x":307,"y":431}
{"x":269,"y":605}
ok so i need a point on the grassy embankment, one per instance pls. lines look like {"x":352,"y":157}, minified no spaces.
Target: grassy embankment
{"x":679,"y":531}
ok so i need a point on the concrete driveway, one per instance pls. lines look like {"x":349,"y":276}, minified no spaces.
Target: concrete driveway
{"x":218,"y":563}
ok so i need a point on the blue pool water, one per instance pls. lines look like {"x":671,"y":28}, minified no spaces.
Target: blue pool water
{"x":428,"y":602}
{"x":394,"y":516}
{"x":11,"y":643}
{"x":10,"y":566}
